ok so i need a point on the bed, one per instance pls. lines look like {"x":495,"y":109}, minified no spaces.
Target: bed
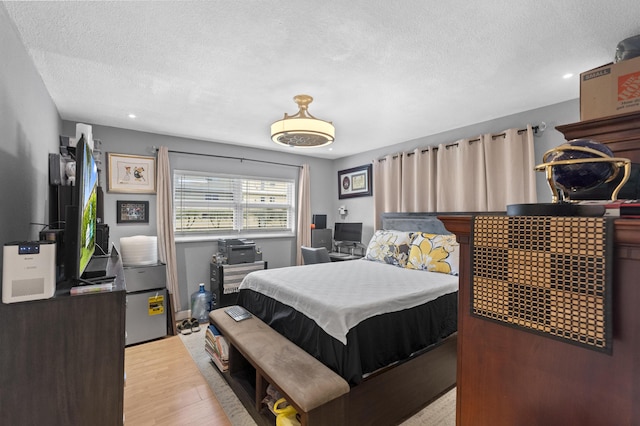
{"x":357,"y":316}
{"x":403,"y":320}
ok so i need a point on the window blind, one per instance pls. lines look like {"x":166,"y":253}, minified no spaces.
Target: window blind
{"x":210,"y":203}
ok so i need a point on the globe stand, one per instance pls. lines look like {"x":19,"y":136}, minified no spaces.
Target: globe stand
{"x":563,"y":206}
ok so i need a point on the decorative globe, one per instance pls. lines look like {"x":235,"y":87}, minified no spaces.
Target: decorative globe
{"x":580,"y":175}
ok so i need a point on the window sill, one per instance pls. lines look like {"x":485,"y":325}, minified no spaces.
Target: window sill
{"x":204,"y":238}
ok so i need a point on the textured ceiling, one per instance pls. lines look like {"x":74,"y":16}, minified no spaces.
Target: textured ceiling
{"x":384,"y":71}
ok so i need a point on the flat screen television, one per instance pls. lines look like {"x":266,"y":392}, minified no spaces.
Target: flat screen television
{"x":80,"y":216}
{"x":348,"y":232}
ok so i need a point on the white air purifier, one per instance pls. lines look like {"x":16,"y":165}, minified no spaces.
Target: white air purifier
{"x":28,"y":271}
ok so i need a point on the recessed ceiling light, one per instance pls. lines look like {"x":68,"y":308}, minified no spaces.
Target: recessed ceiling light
{"x":132,"y":116}
{"x":330,"y":149}
{"x":567,"y":75}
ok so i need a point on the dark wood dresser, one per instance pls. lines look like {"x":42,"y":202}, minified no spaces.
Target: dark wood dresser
{"x":62,"y":360}
{"x":508,"y":376}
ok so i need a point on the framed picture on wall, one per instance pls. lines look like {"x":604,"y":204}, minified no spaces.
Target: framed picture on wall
{"x":131,"y":173}
{"x":355,"y":182}
{"x":132,"y":211}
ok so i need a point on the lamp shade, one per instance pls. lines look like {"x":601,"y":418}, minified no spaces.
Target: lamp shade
{"x":302,"y":130}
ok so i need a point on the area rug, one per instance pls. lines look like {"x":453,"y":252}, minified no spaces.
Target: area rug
{"x":441,"y":412}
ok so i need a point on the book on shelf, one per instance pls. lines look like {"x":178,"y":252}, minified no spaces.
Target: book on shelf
{"x":217,"y":341}
{"x":217,"y":348}
{"x":212,"y":328}
{"x":222,"y":365}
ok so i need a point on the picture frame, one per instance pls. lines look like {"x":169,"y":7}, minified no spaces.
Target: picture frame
{"x":131,"y":174}
{"x":355,"y":182}
{"x":132,"y":211}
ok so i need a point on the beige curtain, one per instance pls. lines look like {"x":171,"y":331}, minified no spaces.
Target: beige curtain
{"x":484,"y":173}
{"x":387,"y":180}
{"x":510,"y":181}
{"x":461,"y":182}
{"x":304,"y":211}
{"x":164,"y":223}
{"x":418,"y":181}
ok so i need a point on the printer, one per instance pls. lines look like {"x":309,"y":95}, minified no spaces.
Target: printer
{"x":237,"y":250}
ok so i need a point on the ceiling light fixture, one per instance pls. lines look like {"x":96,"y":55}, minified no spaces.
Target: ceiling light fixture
{"x":302,"y":130}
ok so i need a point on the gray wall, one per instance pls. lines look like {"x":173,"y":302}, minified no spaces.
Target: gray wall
{"x":361,"y":209}
{"x":29,"y":128}
{"x":193,"y":257}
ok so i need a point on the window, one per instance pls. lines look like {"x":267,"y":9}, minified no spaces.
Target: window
{"x":211,"y":203}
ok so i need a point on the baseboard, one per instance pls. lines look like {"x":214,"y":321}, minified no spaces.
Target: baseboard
{"x":182,"y":315}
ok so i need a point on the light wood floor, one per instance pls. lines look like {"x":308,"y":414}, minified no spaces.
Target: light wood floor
{"x":165,"y":387}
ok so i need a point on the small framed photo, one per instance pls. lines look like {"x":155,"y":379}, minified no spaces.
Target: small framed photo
{"x":133,"y":174}
{"x":132,"y":211}
{"x":355,"y":182}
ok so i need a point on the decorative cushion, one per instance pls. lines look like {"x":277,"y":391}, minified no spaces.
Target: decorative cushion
{"x":433,"y":252}
{"x":390,"y":247}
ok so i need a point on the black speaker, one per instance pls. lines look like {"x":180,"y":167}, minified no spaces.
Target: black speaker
{"x":320,"y":221}
{"x":100,"y":206}
{"x":102,"y":238}
{"x":59,"y":199}
{"x":70,"y":262}
{"x":55,"y":175}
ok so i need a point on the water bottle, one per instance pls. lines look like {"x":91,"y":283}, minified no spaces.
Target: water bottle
{"x":201,"y":304}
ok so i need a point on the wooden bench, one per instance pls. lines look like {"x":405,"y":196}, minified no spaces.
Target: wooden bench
{"x":317,"y":393}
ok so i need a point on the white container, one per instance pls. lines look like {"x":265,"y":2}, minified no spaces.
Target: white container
{"x":139,"y":250}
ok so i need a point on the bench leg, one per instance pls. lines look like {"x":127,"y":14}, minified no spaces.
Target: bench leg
{"x":261,"y":390}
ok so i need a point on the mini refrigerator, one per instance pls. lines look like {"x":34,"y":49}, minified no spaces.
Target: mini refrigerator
{"x":146,"y":303}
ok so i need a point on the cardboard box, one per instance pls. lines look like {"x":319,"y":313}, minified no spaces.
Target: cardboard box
{"x":610,"y":90}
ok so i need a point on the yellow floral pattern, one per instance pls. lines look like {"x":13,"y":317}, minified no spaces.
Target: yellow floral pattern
{"x":433,"y":252}
{"x":390,"y":247}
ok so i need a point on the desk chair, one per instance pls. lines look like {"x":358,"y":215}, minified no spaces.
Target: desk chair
{"x":314,"y":255}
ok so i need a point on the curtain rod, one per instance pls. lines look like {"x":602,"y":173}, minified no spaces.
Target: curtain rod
{"x":541,"y":128}
{"x":534,"y":128}
{"x":230,"y":157}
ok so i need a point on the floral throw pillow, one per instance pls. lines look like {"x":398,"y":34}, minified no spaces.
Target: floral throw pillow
{"x":390,"y":247}
{"x":433,"y":252}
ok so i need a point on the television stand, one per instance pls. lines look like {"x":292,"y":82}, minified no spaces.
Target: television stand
{"x":112,"y":271}
{"x":97,"y":267}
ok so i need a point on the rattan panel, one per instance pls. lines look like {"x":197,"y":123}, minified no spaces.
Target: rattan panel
{"x":549,"y":275}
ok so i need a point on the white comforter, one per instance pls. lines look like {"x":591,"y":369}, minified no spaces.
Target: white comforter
{"x":340,"y":295}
